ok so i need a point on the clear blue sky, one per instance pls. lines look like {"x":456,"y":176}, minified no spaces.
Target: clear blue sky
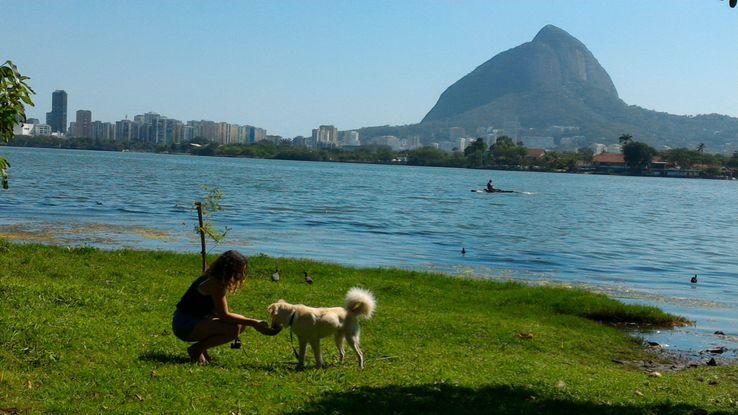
{"x":290,"y":65}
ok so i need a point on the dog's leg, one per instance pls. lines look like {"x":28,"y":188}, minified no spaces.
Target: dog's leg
{"x":353,"y":341}
{"x":301,"y":354}
{"x":315,"y":345}
{"x":339,"y":345}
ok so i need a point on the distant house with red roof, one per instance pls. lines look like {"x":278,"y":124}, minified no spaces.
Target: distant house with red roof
{"x":608,"y":159}
{"x":536,"y":153}
{"x":609,"y":163}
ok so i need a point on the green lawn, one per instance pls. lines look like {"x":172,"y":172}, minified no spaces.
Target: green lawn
{"x":87,"y":331}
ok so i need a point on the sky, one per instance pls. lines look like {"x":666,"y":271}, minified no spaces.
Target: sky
{"x":289,"y":66}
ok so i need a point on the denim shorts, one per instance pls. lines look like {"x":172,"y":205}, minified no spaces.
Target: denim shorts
{"x":183,"y":324}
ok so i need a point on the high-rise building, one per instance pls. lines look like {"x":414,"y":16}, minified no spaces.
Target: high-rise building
{"x":256,"y":134}
{"x":150,"y":117}
{"x":152,"y":130}
{"x":102,"y":130}
{"x":188,"y":132}
{"x":124,"y":130}
{"x":57,"y":118}
{"x":209,"y":131}
{"x":243,"y":134}
{"x":325,"y":136}
{"x":82,"y":123}
{"x":461,"y":143}
{"x":233,"y":134}
{"x":351,"y":138}
{"x":33,"y":121}
{"x":165,"y":130}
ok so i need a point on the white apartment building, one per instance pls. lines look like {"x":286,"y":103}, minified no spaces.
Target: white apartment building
{"x":41,"y":129}
{"x":351,"y":138}
{"x":23,"y":129}
{"x":325,"y":136}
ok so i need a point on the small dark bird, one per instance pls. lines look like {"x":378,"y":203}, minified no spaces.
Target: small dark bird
{"x":694,"y":279}
{"x":99,"y":203}
{"x":463,"y":251}
{"x":308,"y":278}
{"x":275,"y":275}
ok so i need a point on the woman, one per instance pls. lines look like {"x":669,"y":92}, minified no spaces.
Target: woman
{"x":202,"y":315}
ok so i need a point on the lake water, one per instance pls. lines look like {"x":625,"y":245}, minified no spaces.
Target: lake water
{"x":638,"y":239}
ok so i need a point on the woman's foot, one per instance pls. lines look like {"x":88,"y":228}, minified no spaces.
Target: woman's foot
{"x":207,"y":356}
{"x":196,"y":356}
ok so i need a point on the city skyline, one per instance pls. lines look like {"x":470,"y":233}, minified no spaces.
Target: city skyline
{"x":375,"y":64}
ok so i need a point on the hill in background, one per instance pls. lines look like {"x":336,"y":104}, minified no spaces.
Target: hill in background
{"x":553,"y":87}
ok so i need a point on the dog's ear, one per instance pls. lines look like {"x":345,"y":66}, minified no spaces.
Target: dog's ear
{"x":272,"y":308}
{"x":281,"y":301}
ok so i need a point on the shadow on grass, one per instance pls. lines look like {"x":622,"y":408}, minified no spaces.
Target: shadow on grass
{"x":447,"y":399}
{"x":160,"y":357}
{"x":180,"y":359}
{"x":269,"y":367}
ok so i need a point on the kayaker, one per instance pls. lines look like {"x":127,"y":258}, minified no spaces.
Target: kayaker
{"x":490,"y":186}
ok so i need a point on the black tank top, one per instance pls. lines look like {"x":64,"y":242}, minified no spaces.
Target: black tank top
{"x":194,"y":303}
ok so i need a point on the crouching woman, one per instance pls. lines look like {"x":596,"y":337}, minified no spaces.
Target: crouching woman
{"x":203,"y":317}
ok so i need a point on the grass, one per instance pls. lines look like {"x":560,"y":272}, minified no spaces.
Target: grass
{"x":88,"y":331}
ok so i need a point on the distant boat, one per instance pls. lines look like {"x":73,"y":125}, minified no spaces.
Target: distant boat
{"x":492,"y":191}
{"x":124,"y":150}
{"x":195,"y":145}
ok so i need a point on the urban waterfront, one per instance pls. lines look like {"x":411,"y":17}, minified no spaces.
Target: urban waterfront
{"x":634,"y":238}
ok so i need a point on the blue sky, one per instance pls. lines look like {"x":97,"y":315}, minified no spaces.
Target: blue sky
{"x":290,"y":65}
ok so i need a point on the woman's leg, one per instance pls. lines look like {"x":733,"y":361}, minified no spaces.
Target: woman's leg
{"x":209,"y":333}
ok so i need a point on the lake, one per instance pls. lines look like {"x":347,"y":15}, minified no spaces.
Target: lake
{"x":635,"y":238}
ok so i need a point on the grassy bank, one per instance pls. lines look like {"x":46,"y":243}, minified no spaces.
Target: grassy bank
{"x":87,"y":331}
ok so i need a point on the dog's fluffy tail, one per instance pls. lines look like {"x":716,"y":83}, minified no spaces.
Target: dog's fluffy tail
{"x":360,"y":302}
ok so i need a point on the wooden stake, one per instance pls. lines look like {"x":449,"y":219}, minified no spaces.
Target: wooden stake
{"x":198,"y":205}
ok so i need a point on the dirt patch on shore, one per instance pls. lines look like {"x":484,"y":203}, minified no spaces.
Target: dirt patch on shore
{"x":20,"y":233}
{"x":98,"y":233}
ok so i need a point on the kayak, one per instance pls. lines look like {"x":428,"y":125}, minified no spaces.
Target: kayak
{"x":493,"y":191}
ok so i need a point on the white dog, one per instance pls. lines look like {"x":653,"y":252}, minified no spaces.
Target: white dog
{"x":312,"y":324}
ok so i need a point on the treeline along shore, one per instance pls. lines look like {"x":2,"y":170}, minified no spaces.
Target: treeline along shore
{"x":636,"y":158}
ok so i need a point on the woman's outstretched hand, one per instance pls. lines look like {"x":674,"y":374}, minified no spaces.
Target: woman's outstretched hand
{"x":263,"y":328}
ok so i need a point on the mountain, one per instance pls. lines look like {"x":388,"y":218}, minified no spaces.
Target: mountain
{"x":553,"y":63}
{"x":554,"y":80}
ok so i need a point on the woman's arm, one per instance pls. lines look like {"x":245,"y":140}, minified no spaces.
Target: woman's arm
{"x":221,"y":310}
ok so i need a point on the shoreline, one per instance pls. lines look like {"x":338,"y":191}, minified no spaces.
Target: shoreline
{"x":491,"y":168}
{"x":694,"y":342}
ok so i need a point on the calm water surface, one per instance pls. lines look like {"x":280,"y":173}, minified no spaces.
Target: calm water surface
{"x":638,"y":239}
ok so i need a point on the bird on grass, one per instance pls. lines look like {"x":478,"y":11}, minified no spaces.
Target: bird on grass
{"x":694,"y":279}
{"x":275,"y":275}
{"x":308,"y":278}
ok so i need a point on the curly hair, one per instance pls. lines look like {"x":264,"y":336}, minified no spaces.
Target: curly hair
{"x":230,"y":268}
